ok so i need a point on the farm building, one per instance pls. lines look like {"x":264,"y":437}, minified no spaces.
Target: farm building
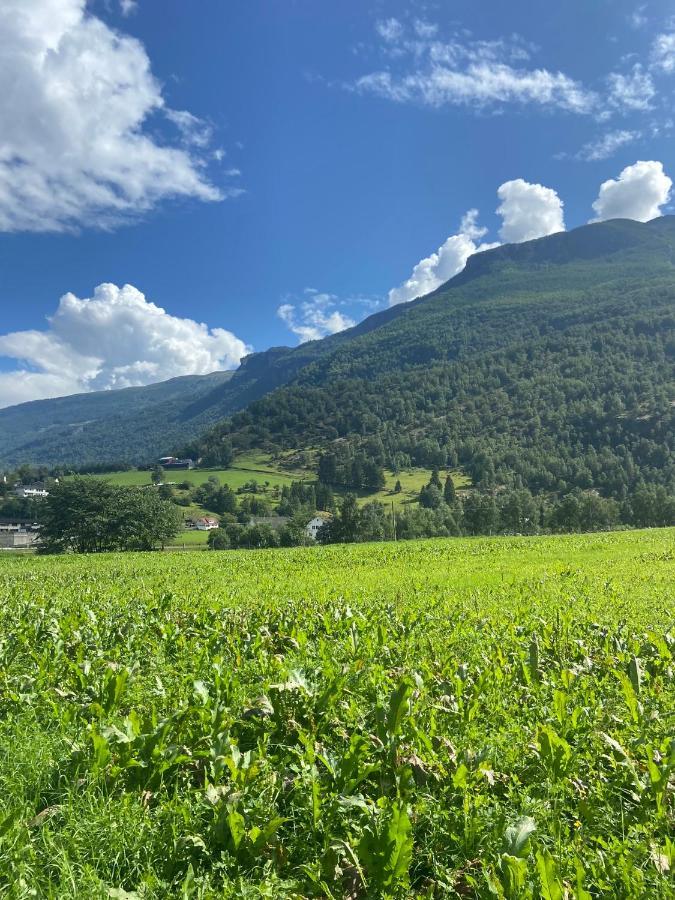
{"x":31,"y":491}
{"x":17,"y":534}
{"x":172,"y":462}
{"x":315,"y":523}
{"x":207,"y":523}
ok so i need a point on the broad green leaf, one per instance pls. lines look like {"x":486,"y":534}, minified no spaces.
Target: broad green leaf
{"x":580,"y":891}
{"x":554,"y":752}
{"x":549,"y":883}
{"x":237,"y":826}
{"x":629,"y":695}
{"x":513,"y":872}
{"x":399,"y":837}
{"x":399,"y":707}
{"x":201,"y":691}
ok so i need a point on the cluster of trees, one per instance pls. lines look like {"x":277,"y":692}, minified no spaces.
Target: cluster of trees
{"x":87,"y":515}
{"x":237,"y":536}
{"x":361,"y":468}
{"x":251,"y":499}
{"x":218,"y":454}
{"x":435,"y":493}
{"x":25,"y":508}
{"x":297,"y":502}
{"x":443,"y":513}
{"x":304,"y":498}
{"x":505,"y":512}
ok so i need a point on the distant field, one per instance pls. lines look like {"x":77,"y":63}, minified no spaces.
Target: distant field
{"x":235,"y":477}
{"x":436,"y":719}
{"x":259,"y":466}
{"x":412,"y":481}
{"x":191,"y":539}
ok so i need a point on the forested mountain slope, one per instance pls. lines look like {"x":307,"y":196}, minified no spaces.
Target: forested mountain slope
{"x":548,"y":364}
{"x":129,"y":425}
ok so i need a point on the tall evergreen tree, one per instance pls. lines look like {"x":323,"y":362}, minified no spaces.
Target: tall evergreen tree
{"x":449,"y":493}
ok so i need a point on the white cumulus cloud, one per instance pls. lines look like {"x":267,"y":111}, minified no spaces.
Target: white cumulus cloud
{"x":315,"y":317}
{"x":638,"y":193}
{"x":528,"y":211}
{"x":77,"y":104}
{"x":115,"y":339}
{"x":450,"y":258}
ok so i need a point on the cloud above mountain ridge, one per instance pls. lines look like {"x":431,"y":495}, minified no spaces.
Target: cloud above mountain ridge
{"x":115,"y":339}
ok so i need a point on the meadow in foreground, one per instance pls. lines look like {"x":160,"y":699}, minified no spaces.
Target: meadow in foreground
{"x":473,"y":718}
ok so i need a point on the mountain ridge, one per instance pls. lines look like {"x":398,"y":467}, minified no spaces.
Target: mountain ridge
{"x":537,"y":358}
{"x":549,"y":280}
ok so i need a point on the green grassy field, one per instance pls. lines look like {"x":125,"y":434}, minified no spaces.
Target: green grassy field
{"x":447,"y":718}
{"x":259,"y":466}
{"x":235,"y":477}
{"x":191,"y":539}
{"x":412,"y":482}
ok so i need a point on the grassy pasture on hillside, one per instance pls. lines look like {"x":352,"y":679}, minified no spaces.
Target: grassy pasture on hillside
{"x":447,"y":718}
{"x":259,"y":466}
{"x":234,"y":477}
{"x":412,"y":482}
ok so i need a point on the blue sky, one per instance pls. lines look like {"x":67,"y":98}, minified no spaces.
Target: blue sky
{"x":272,"y":170}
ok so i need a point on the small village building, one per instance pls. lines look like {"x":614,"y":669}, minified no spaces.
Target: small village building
{"x":315,"y":523}
{"x":18,"y":534}
{"x":207,"y":523}
{"x":31,"y":491}
{"x":172,"y":462}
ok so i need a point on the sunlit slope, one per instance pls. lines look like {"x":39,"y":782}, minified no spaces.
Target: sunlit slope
{"x":553,"y":358}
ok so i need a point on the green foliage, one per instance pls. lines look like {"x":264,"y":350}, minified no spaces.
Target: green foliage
{"x":417,"y":720}
{"x":351,"y":523}
{"x":92,"y":516}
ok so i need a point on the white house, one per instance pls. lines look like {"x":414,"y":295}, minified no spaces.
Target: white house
{"x":312,"y":527}
{"x":31,"y":490}
{"x":207,"y":523}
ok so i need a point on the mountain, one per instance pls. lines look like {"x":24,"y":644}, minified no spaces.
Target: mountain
{"x":547,"y":363}
{"x":129,"y":425}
